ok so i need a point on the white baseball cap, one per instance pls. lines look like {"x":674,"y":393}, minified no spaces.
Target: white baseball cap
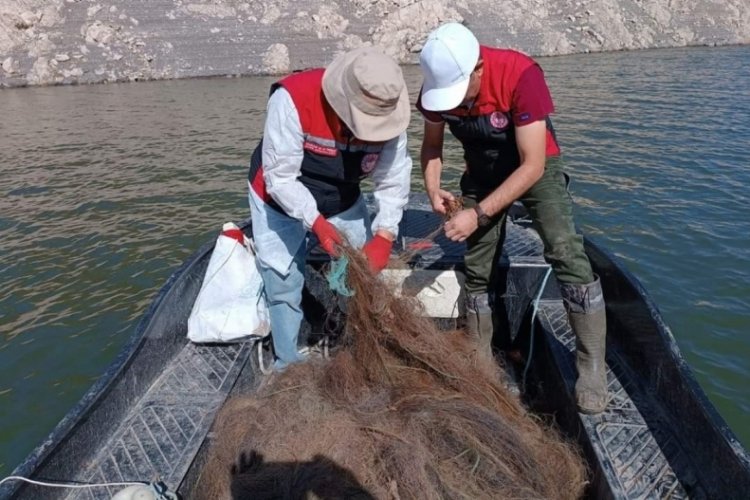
{"x":448,"y":58}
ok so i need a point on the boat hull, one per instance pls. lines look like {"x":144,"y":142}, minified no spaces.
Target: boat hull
{"x":151,"y":412}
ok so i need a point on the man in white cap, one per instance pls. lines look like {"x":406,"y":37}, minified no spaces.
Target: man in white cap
{"x":497,"y":104}
{"x":326,"y":131}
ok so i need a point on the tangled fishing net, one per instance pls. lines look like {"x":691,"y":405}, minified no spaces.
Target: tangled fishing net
{"x":401,"y":411}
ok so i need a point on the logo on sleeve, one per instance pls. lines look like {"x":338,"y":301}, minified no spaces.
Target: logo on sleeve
{"x":319,"y":149}
{"x":369,"y":161}
{"x":498,"y":120}
{"x":524,"y":117}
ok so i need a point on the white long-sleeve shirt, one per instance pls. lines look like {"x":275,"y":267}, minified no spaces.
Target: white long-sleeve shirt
{"x":282,"y":160}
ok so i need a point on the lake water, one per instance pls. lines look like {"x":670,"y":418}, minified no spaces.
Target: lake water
{"x":105,"y":190}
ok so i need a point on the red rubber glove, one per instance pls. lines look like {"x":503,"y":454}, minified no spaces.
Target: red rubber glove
{"x":327,"y":234}
{"x":377,"y":251}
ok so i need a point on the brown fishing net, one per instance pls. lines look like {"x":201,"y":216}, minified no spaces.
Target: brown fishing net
{"x":401,"y":411}
{"x":453,"y":206}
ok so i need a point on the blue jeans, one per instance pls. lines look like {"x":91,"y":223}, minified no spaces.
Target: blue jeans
{"x":272,"y":232}
{"x":284,"y":297}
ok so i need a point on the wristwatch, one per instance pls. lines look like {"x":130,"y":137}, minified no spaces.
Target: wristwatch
{"x":482,"y":218}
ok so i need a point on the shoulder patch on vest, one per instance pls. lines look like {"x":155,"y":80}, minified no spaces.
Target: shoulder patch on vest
{"x":369,"y":161}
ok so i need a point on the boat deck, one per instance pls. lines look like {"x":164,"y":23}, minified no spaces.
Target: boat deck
{"x":639,"y":455}
{"x":631,"y":439}
{"x":161,"y":435}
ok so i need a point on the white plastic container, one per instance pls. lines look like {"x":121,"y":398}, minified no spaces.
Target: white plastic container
{"x":440,"y":291}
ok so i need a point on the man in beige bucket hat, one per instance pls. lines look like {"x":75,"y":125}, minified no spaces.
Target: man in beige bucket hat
{"x":326,"y":131}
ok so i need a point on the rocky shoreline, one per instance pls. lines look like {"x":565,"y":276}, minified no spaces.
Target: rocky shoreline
{"x":46,"y":42}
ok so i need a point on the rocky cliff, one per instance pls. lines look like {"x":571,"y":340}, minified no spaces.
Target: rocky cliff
{"x":88,"y":41}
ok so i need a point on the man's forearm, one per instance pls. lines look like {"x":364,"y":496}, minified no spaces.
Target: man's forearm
{"x":512,"y":189}
{"x":432,"y":166}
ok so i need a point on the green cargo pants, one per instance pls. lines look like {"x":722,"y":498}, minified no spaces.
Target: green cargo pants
{"x":551,"y":208}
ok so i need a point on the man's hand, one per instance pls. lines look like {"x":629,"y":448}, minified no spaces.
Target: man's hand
{"x":461,"y":225}
{"x":378,"y":252}
{"x":328,"y":235}
{"x":440,"y":201}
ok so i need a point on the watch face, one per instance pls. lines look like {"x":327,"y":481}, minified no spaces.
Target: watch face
{"x":482,"y":218}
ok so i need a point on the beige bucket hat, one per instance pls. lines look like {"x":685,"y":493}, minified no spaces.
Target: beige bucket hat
{"x":367,"y":91}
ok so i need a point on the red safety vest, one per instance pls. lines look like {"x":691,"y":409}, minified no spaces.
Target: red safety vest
{"x":334,"y":161}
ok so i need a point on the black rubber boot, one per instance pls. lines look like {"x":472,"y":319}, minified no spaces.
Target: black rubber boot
{"x":586,"y":312}
{"x":479,"y":322}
